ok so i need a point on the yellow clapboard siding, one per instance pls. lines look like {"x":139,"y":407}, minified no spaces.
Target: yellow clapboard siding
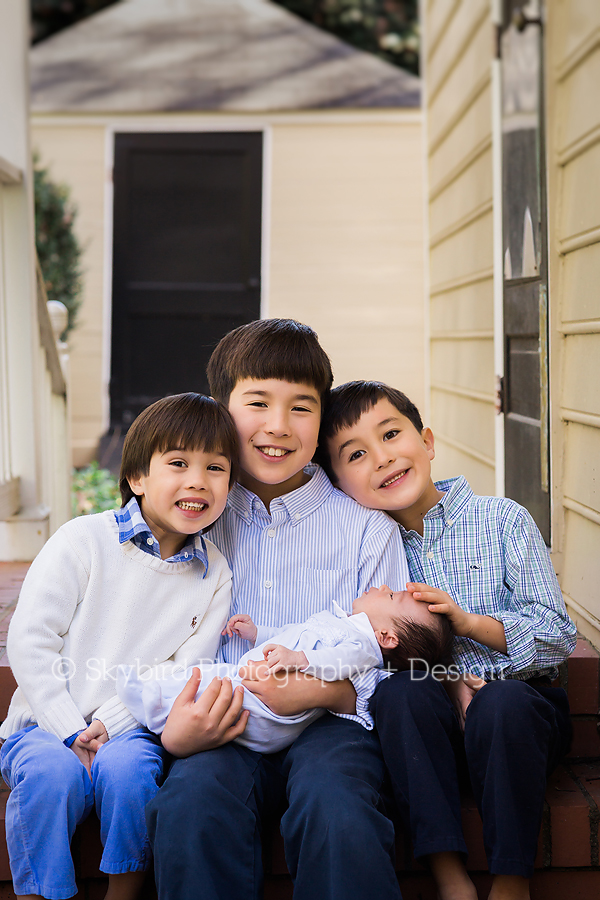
{"x":449,"y":462}
{"x":455,"y":416}
{"x":580,"y":195}
{"x":467,"y":364}
{"x":439,"y":14}
{"x":468,"y":192}
{"x":470,"y":135}
{"x":577,"y":116}
{"x":573,"y":21}
{"x":459,"y":33}
{"x":581,"y":567}
{"x":465,"y":82}
{"x":579,"y":284}
{"x":469,"y":307}
{"x":582,"y":464}
{"x":469,"y":250}
{"x":581,"y":373}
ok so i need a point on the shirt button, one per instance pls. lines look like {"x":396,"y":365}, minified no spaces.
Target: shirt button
{"x":450,"y":522}
{"x":186,"y":555}
{"x":430,"y":555}
{"x":150,"y":541}
{"x":271,"y":532}
{"x":268,"y":584}
{"x":298,"y":516}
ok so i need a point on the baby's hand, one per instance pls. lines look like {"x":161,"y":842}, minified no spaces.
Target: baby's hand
{"x":280,"y":659}
{"x":441,"y":602}
{"x":94,"y":736}
{"x":243,"y":626}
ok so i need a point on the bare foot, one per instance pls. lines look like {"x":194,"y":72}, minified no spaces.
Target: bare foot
{"x":451,"y":878}
{"x":509,"y":887}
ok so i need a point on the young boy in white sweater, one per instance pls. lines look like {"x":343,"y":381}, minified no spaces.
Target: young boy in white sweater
{"x":138,"y":586}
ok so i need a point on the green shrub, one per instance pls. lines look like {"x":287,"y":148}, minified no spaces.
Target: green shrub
{"x":93,"y":490}
{"x":58,"y":249}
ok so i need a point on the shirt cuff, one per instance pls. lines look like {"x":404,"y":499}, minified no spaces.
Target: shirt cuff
{"x":68,"y":742}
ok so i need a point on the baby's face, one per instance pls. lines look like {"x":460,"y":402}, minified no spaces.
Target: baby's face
{"x":382,"y":605}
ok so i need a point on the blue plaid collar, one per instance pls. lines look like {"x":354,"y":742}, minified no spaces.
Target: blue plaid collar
{"x":133,"y":527}
{"x":457,"y":496}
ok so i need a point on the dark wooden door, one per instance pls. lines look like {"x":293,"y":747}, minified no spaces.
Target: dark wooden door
{"x":526,"y":428}
{"x":187,"y":253}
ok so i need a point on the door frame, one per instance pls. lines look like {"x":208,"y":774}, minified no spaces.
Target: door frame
{"x":498,"y":259}
{"x":167,"y":124}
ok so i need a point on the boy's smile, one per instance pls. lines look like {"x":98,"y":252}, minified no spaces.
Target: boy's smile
{"x":384,"y":463}
{"x":184,"y":491}
{"x":278,"y":426}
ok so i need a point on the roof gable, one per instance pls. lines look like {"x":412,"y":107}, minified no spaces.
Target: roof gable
{"x":213,"y":55}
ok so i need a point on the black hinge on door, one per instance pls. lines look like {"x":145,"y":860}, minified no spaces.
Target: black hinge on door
{"x":499,"y":397}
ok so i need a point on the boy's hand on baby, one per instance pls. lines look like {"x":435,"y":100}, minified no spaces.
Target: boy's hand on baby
{"x":243,"y":626}
{"x":281,"y":659}
{"x":441,"y":602}
{"x":94,"y":736}
{"x":215,"y":718}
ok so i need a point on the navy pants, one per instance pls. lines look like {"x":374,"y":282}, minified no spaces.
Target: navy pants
{"x":206,"y":822}
{"x":515,"y":733}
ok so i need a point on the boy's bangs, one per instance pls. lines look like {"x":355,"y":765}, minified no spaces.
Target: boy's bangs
{"x":348,"y":402}
{"x":179,"y":422}
{"x":280,"y":349}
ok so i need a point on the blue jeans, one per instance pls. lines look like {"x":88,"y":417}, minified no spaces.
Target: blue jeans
{"x":207,"y":821}
{"x":515,"y":734}
{"x":51,"y":793}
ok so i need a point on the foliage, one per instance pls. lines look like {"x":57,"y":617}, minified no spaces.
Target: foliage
{"x":387,"y":28}
{"x":93,"y":490}
{"x":58,"y":249}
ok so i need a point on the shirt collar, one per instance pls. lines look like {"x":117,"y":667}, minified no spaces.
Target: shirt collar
{"x":363,"y":623}
{"x":133,"y":527}
{"x":457,"y":495}
{"x":298,"y":504}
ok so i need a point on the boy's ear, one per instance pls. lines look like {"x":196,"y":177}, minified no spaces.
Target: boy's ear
{"x":136,"y":485}
{"x":386,"y":639}
{"x":428,"y":440}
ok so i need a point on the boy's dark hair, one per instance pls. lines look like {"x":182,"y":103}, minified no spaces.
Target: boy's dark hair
{"x":346,"y":404}
{"x":269,"y":348}
{"x":420,"y":646}
{"x":182,"y":421}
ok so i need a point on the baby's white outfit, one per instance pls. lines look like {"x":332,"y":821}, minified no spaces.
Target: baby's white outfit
{"x":336,"y":645}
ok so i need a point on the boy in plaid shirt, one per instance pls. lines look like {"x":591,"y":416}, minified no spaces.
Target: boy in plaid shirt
{"x":482,"y":562}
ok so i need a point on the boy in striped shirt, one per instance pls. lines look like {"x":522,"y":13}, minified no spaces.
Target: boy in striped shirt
{"x":295,"y":545}
{"x":482,"y":562}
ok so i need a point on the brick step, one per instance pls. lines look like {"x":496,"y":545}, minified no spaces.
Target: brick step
{"x":567,"y":864}
{"x":567,"y":851}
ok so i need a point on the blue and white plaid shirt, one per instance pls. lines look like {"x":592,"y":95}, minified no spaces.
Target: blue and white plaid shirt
{"x":488,"y":554}
{"x":133,"y":527}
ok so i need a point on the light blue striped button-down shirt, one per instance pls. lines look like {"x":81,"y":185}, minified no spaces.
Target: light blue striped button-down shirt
{"x":316,"y":546}
{"x":488,"y":554}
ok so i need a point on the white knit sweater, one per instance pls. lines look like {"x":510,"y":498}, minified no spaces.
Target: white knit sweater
{"x":89,"y":604}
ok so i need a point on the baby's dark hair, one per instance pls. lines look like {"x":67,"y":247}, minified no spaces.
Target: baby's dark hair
{"x":346,"y":404}
{"x":420,"y":646}
{"x":180,"y":422}
{"x":269,"y":348}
